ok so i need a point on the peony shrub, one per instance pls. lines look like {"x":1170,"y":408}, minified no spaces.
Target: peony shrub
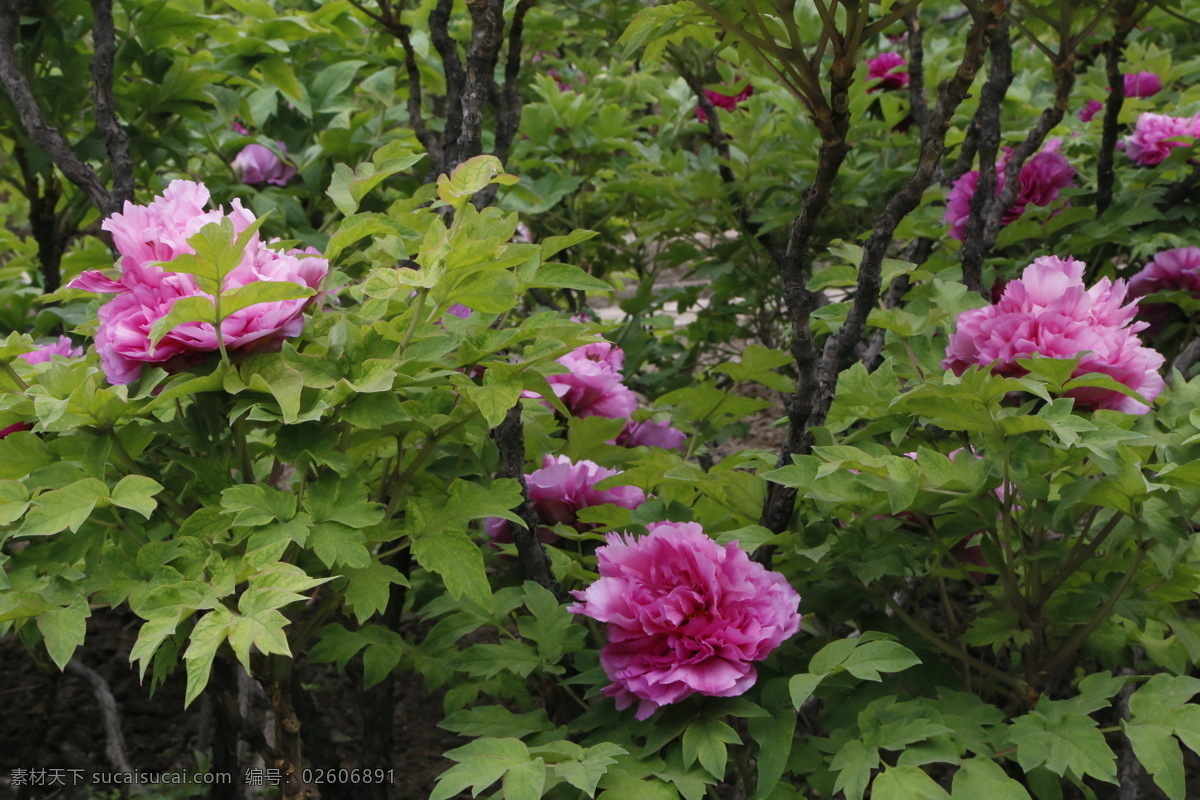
{"x":1041,"y":178}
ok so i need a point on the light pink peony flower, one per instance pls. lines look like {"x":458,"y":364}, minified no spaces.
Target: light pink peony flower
{"x":560,"y":489}
{"x":1049,"y":312}
{"x":889,"y":69}
{"x":258,"y":164}
{"x":684,"y":616}
{"x":1090,"y":110}
{"x":146,"y":292}
{"x":726,"y":101}
{"x":1142,"y":84}
{"x":651,"y":434}
{"x":593,"y":386}
{"x":1155,"y":135}
{"x":43,"y":353}
{"x":1040,"y":180}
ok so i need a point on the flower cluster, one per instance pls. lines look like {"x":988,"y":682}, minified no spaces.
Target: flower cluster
{"x":146,"y":236}
{"x":1048,"y":312}
{"x":1155,"y":135}
{"x":685,"y":616}
{"x":889,"y":70}
{"x":560,"y":490}
{"x":593,"y":387}
{"x":1040,"y":180}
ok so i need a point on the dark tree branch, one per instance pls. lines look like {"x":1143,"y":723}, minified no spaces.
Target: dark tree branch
{"x":487,"y":27}
{"x":987,"y":125}
{"x":116,"y":142}
{"x":1113,"y":50}
{"x":510,"y":440}
{"x":917,"y":253}
{"x":509,"y":112}
{"x":918,"y":104}
{"x":45,"y":135}
{"x":447,"y":48}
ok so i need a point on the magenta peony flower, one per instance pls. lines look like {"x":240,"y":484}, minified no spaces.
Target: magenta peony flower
{"x":560,"y":489}
{"x":1142,"y":84}
{"x":684,"y":615}
{"x":593,"y":387}
{"x":258,"y":164}
{"x":146,"y":292}
{"x":651,"y":434}
{"x":43,"y":353}
{"x":1041,"y":178}
{"x":1090,"y":110}
{"x":726,"y":101}
{"x":1048,"y":312}
{"x":889,"y":69}
{"x":1169,"y":270}
{"x":1156,"y":134}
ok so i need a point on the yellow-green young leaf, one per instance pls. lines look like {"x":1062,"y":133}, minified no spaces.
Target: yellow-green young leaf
{"x":360,"y":226}
{"x":60,"y":509}
{"x":207,"y":636}
{"x":136,"y":492}
{"x":197,"y":308}
{"x":218,"y":249}
{"x":63,"y":629}
{"x":553,"y":245}
{"x":337,"y":544}
{"x":261,"y":292}
{"x":492,"y":292}
{"x":263,"y":629}
{"x":496,"y":396}
{"x":457,"y":560}
{"x":907,"y":783}
{"x":564,"y":276}
{"x":470,"y":177}
{"x":983,"y":778}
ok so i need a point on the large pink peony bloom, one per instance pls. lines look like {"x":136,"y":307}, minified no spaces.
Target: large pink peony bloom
{"x":1142,"y":84}
{"x":593,"y":386}
{"x":889,"y":69}
{"x":560,"y":489}
{"x":1155,"y":135}
{"x":146,"y":292}
{"x":1049,"y":312}
{"x":258,"y":164}
{"x":1041,"y":178}
{"x":684,"y":615}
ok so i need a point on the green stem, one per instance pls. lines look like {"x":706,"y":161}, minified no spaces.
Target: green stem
{"x":239,"y":437}
{"x":416,"y":318}
{"x":10,"y":372}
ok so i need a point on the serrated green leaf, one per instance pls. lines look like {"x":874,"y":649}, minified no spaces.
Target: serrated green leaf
{"x":63,"y":509}
{"x":983,"y":778}
{"x":63,"y":630}
{"x":208,"y":634}
{"x":704,"y":741}
{"x":525,"y":781}
{"x":554,"y":275}
{"x":136,"y":492}
{"x":1155,"y":746}
{"x":261,"y":292}
{"x":481,"y":763}
{"x":906,"y":783}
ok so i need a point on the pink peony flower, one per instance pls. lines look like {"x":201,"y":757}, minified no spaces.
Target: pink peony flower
{"x":146,"y":292}
{"x":1156,"y":134}
{"x":889,"y":69}
{"x":1090,"y":110}
{"x":45,"y":352}
{"x":560,"y":489}
{"x":651,"y":434}
{"x":1041,"y":178}
{"x":1049,"y":312}
{"x":258,"y":164}
{"x":726,"y":101}
{"x":593,"y":387}
{"x":1142,"y":84}
{"x":684,"y":616}
{"x":1169,"y":270}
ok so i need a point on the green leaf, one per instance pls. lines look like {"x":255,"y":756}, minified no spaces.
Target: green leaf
{"x":14,"y":499}
{"x":802,"y":686}
{"x":525,"y":781}
{"x":60,"y":509}
{"x":981,"y":777}
{"x":867,"y":661}
{"x":1069,"y":742}
{"x":554,"y":275}
{"x":338,"y":545}
{"x":136,"y":492}
{"x":454,"y":557}
{"x":196,"y":308}
{"x":775,"y":736}
{"x":261,"y":292}
{"x":552,"y":245}
{"x":853,"y":763}
{"x":207,"y":636}
{"x":705,"y":741}
{"x":1155,"y":746}
{"x":481,"y":763}
{"x":499,"y":392}
{"x":470,"y":177}
{"x":63,"y":629}
{"x":369,"y":589}
{"x":591,"y":765}
{"x":907,"y":783}
{"x":496,"y":721}
{"x":491,"y":292}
